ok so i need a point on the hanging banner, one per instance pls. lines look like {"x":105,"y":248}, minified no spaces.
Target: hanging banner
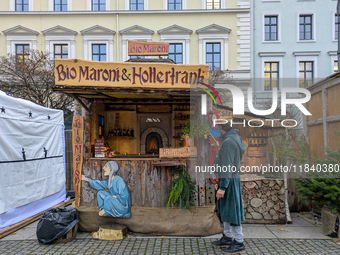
{"x":78,"y":148}
{"x":84,"y":73}
{"x":138,"y":48}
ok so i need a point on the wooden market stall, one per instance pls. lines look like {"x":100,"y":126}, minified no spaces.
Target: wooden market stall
{"x":134,"y":113}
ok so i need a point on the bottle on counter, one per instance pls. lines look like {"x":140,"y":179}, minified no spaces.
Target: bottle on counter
{"x":132,"y":133}
{"x":128,"y":133}
{"x":124,"y":132}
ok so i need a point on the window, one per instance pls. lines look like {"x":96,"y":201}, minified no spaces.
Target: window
{"x":336,"y":31}
{"x":213,"y":4}
{"x":271,"y":75}
{"x":174,"y":4}
{"x":213,"y":56}
{"x":22,"y":52}
{"x":176,"y":52}
{"x":99,"y":52}
{"x":60,"y":51}
{"x":60,"y":5}
{"x":270,"y":28}
{"x":305,"y":27}
{"x":136,"y":5}
{"x":21,"y":5}
{"x":98,"y":5}
{"x":336,"y":66}
{"x":305,"y":74}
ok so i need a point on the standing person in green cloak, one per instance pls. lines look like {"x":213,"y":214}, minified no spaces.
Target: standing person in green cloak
{"x":230,"y":205}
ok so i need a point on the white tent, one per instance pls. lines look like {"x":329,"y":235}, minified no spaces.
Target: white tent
{"x":32,"y":159}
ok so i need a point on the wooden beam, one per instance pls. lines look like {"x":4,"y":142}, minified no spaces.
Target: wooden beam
{"x":324,"y":117}
{"x":104,"y":95}
{"x":129,"y":102}
{"x":126,"y":91}
{"x":25,"y":222}
{"x":81,"y":102}
{"x":329,"y":119}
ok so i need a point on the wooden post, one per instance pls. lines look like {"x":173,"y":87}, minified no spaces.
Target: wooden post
{"x":324,"y":117}
{"x":78,"y":151}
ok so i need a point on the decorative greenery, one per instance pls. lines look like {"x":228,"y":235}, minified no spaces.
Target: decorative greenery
{"x":323,"y":188}
{"x":181,"y":190}
{"x":196,"y":127}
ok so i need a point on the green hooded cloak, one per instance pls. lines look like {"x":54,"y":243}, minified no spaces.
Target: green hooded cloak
{"x":230,"y":154}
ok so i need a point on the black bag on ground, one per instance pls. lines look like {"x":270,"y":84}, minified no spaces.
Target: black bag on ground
{"x":55,"y":223}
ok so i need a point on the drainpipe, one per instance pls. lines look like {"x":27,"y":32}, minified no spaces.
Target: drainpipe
{"x":338,"y":14}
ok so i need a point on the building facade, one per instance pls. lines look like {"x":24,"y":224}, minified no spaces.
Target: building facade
{"x":294,"y":44}
{"x":214,"y":32}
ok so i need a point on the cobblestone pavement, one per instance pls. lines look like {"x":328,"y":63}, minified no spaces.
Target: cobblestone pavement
{"x":176,"y":246}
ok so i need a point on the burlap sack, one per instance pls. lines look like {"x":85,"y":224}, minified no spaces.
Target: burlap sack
{"x":201,"y":221}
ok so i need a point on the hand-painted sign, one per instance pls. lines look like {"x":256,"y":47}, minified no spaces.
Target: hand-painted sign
{"x":74,"y":72}
{"x":78,"y":148}
{"x":182,"y":152}
{"x":99,"y":150}
{"x":137,"y":48}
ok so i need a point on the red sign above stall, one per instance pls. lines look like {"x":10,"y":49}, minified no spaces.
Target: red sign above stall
{"x":137,"y":48}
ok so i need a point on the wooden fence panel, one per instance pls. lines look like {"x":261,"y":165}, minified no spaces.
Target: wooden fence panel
{"x":315,"y":106}
{"x":316,"y":140}
{"x":333,"y":100}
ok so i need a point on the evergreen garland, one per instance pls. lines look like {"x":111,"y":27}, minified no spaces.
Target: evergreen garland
{"x":181,"y":190}
{"x":323,"y":188}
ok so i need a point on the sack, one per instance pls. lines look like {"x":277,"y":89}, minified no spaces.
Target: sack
{"x":55,"y":223}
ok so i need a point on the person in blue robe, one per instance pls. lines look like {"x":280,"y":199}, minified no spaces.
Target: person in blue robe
{"x":113,"y":194}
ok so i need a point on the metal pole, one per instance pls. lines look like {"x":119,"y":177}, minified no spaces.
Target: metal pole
{"x":338,"y":16}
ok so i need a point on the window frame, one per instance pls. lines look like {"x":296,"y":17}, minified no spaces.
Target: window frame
{"x":334,"y":39}
{"x":313,"y":29}
{"x":271,"y":72}
{"x":62,"y":54}
{"x":213,"y":4}
{"x":175,"y":53}
{"x":22,"y":4}
{"x":306,"y":71}
{"x":272,"y":57}
{"x":220,"y":53}
{"x":335,"y":61}
{"x":333,"y":57}
{"x":143,"y":4}
{"x":106,"y":51}
{"x":306,"y":58}
{"x":61,"y":5}
{"x":175,"y":4}
{"x":278,"y":28}
{"x":22,"y":44}
{"x":99,"y":4}
{"x":204,"y":5}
